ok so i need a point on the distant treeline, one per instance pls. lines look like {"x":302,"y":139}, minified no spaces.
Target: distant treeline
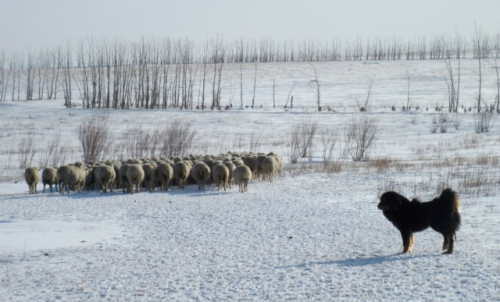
{"x":158,"y":73}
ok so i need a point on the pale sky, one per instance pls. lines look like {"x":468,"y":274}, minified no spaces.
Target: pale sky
{"x":46,"y":23}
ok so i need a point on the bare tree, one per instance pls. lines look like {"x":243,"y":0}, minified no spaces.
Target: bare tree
{"x":477,"y":42}
{"x":84,"y":88}
{"x":30,"y":74}
{"x":318,"y":87}
{"x":217,"y":54}
{"x":497,"y":98}
{"x":53,"y":73}
{"x":274,"y":94}
{"x":241,"y":85}
{"x":4,"y":77}
{"x":42,"y":71}
{"x":368,"y":94}
{"x":288,"y":98}
{"x":408,"y":82}
{"x":66,"y":84}
{"x":254,"y":84}
{"x":205,"y":71}
{"x":453,"y":84}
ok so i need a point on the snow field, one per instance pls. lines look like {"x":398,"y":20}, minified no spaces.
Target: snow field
{"x":308,"y":236}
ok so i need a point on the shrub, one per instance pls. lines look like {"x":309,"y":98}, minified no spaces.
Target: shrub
{"x":360,"y":136}
{"x":483,"y":122}
{"x":176,"y":139}
{"x":302,"y":140}
{"x":328,"y":141}
{"x":27,"y":149}
{"x":94,"y":137}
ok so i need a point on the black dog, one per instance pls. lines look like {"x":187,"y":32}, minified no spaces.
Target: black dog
{"x":441,"y":214}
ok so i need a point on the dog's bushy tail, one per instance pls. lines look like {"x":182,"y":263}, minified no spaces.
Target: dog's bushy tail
{"x":450,"y":200}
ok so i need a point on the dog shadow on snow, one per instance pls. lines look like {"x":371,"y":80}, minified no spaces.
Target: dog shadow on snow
{"x":359,"y":261}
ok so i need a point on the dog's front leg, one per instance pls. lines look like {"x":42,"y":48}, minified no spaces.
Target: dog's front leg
{"x":406,"y":235}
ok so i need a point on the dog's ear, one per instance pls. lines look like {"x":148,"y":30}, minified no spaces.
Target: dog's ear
{"x":396,"y":202}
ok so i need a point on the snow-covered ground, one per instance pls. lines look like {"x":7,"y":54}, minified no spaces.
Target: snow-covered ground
{"x":308,"y":236}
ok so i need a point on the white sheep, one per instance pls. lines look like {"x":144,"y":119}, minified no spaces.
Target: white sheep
{"x":106,"y":177}
{"x":135,"y":176}
{"x":220,"y":173}
{"x":268,"y":168}
{"x":165,"y":173}
{"x":49,"y":177}
{"x":70,"y":177}
{"x":230,"y":167}
{"x":31,"y":176}
{"x":242,"y":176}
{"x":122,"y":175}
{"x":201,"y":174}
{"x":181,"y":173}
{"x":149,"y":176}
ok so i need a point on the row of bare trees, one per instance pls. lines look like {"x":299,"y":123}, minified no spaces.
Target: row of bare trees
{"x":436,"y":48}
{"x":156,"y":74}
{"x":481,"y":50}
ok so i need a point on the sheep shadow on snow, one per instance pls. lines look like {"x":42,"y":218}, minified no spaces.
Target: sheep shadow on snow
{"x":171,"y":192}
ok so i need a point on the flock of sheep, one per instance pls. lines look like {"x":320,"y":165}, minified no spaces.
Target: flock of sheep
{"x":150,"y":173}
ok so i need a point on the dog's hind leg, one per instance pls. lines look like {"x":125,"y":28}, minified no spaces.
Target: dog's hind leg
{"x":450,"y":239}
{"x":412,"y":240}
{"x":406,"y":235}
{"x":446,"y":243}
